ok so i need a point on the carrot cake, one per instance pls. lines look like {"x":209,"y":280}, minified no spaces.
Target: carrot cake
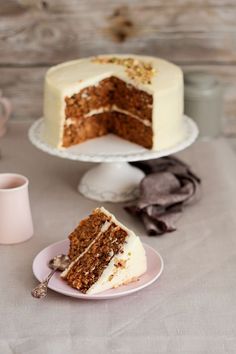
{"x":138,"y":98}
{"x":104,"y":254}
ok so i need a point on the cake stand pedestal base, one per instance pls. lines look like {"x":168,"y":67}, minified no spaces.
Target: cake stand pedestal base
{"x":111,"y":182}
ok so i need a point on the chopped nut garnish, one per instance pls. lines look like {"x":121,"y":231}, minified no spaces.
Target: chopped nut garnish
{"x":111,"y":277}
{"x":120,"y":263}
{"x":136,"y":69}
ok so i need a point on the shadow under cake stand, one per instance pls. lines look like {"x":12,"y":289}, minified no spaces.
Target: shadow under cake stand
{"x":113,"y":179}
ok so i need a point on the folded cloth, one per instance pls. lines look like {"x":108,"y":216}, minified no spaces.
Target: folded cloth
{"x":169,"y":184}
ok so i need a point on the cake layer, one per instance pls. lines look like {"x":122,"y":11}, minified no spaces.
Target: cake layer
{"x":123,"y":125}
{"x":107,"y":93}
{"x":85,"y":233}
{"x":132,"y":129}
{"x":87,"y":128}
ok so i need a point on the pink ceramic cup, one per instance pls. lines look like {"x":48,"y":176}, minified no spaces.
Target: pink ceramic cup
{"x":15,"y":214}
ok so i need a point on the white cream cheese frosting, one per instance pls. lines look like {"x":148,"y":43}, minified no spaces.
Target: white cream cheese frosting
{"x":166,"y":87}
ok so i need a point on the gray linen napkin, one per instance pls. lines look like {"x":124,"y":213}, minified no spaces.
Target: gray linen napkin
{"x":169,"y":184}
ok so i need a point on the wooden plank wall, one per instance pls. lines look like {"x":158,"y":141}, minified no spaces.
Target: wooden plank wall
{"x":35,"y":34}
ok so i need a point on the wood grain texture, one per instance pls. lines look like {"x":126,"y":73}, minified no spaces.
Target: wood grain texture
{"x":24,"y":87}
{"x":35,"y":34}
{"x":48,"y":32}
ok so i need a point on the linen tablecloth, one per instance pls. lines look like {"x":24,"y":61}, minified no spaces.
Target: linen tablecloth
{"x":190,"y":309}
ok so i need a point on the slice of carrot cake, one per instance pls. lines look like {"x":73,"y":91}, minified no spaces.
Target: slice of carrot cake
{"x":104,"y":254}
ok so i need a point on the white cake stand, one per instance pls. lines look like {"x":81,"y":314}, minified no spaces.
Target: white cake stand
{"x":113,"y":180}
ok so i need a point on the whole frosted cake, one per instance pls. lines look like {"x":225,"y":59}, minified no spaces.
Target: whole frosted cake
{"x":104,"y":254}
{"x":138,"y":98}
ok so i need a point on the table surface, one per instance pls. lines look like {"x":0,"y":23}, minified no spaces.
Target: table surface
{"x":190,"y":309}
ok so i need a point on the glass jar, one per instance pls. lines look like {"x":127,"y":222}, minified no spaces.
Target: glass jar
{"x":203,"y":102}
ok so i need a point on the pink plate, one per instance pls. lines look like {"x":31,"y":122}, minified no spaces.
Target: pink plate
{"x":40,"y":269}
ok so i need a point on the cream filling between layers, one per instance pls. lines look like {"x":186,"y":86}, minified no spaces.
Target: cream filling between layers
{"x":113,"y":108}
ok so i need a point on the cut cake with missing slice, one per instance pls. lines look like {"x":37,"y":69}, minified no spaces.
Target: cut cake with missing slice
{"x":104,"y":254}
{"x":137,"y":98}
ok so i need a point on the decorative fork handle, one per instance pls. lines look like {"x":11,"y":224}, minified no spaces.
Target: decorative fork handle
{"x":41,"y":289}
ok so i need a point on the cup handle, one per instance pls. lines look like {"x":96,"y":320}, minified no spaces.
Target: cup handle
{"x":7,"y":109}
